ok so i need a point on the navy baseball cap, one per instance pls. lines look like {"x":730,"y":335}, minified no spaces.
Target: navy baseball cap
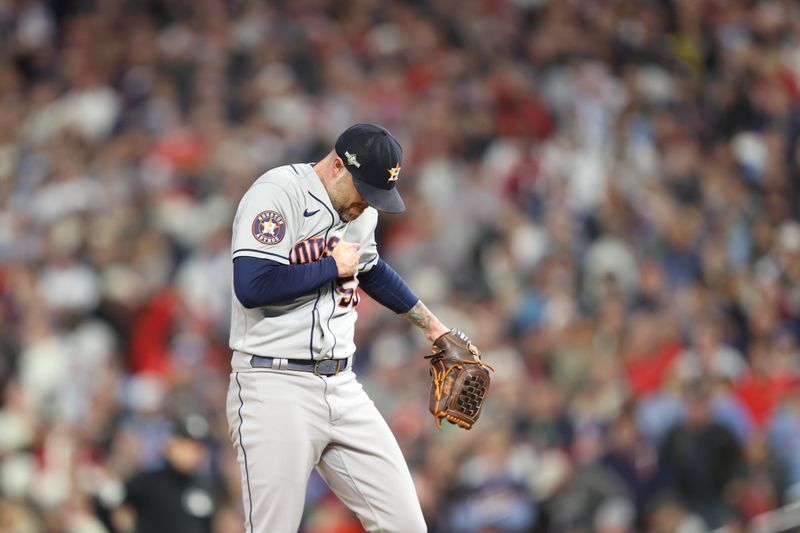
{"x":373,"y":156}
{"x":191,"y":427}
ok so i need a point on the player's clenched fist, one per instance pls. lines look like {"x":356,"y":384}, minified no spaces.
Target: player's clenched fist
{"x":346,"y":255}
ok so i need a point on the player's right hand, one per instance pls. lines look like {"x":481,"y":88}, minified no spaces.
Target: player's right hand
{"x":346,"y":255}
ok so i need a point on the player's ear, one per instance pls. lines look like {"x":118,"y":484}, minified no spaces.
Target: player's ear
{"x":338,"y":167}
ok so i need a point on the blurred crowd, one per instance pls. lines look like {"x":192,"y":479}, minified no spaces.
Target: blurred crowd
{"x":602,"y":193}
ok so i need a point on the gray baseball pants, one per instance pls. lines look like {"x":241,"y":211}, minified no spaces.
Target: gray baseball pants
{"x":283,"y":423}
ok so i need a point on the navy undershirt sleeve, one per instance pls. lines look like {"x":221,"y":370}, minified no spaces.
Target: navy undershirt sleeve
{"x":386,"y":287}
{"x":258,"y":282}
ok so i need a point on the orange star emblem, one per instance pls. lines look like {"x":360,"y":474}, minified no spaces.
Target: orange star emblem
{"x":394,"y":173}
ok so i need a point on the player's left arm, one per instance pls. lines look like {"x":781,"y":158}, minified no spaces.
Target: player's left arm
{"x":386,"y":287}
{"x":424,"y":319}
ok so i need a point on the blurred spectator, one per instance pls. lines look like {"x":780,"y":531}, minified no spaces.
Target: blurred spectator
{"x":702,"y":460}
{"x":174,"y":498}
{"x":669,"y":516}
{"x":491,"y":491}
{"x":784,"y":439}
{"x":708,"y":356}
{"x":606,"y":192}
{"x":635,"y":462}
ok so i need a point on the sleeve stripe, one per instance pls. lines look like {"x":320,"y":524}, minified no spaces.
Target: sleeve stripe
{"x":259,"y":252}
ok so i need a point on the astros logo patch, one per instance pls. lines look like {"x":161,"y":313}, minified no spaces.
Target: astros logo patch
{"x":269,"y":227}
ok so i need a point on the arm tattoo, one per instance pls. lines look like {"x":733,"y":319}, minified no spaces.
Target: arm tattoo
{"x":419,"y":315}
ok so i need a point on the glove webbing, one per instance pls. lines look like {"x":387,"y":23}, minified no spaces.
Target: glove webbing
{"x":438,"y":380}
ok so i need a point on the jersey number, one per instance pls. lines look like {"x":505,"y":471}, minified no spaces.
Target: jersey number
{"x":347,"y":288}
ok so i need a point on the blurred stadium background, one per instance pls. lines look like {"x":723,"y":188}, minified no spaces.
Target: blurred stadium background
{"x":604,"y":193}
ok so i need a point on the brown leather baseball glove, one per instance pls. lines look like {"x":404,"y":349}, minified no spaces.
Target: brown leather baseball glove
{"x":460,"y":380}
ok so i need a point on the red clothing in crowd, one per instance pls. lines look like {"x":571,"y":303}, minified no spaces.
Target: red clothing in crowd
{"x":646,"y":374}
{"x":761,"y":394}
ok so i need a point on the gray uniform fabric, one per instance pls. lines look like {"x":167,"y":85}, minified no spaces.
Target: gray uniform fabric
{"x":284,"y":423}
{"x":318,"y":325}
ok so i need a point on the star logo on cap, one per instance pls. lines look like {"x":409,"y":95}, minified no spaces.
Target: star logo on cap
{"x":394,"y":173}
{"x":351,"y":159}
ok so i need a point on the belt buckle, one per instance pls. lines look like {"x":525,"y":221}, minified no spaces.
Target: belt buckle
{"x":318,"y":371}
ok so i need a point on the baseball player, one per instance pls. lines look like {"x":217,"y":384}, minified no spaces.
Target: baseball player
{"x":303,"y":243}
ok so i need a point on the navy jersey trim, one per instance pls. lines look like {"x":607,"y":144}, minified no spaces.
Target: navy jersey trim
{"x":259,"y":252}
{"x":333,"y":310}
{"x":319,"y":291}
{"x":313,"y":324}
{"x":295,"y":170}
{"x":333,"y":283}
{"x":244,"y":452}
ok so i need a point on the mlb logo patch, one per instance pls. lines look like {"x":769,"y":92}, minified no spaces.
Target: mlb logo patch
{"x":269,"y":227}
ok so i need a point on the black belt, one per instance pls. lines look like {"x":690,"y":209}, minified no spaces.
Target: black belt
{"x":323,"y":367}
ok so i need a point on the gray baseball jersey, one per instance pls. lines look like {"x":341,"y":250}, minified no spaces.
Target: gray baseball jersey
{"x":287,"y":217}
{"x":284,"y":423}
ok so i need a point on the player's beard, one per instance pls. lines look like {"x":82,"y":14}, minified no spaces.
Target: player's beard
{"x":351,"y":212}
{"x":339,"y":195}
